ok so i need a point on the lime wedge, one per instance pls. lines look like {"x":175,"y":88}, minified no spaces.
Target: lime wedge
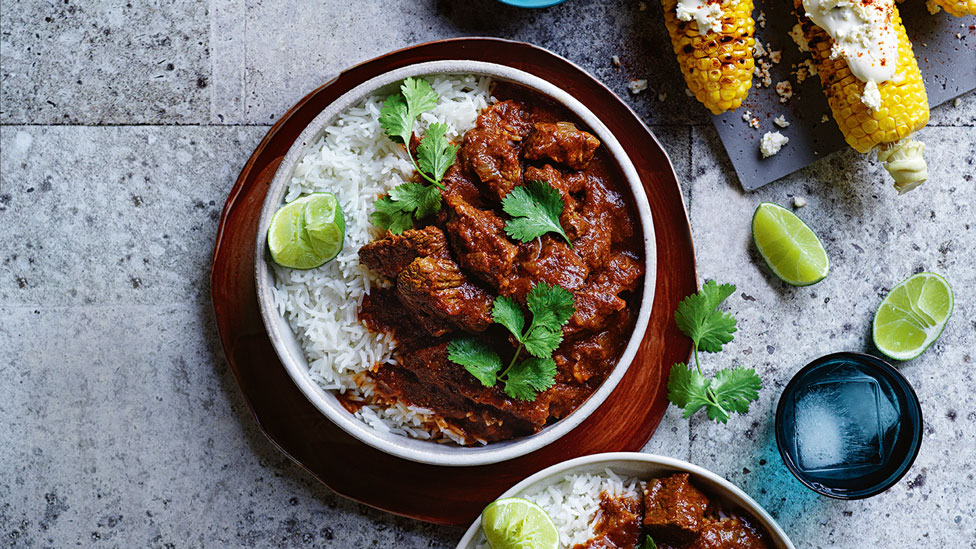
{"x":792,"y":251}
{"x":325,"y":224}
{"x":515,"y":523}
{"x":288,"y":240}
{"x":912,"y":316}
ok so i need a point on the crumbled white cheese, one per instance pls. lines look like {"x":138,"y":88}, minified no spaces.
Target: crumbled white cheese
{"x":754,"y":123}
{"x":797,"y":35}
{"x":637,"y":85}
{"x":707,"y":15}
{"x":615,"y":60}
{"x":871,"y":96}
{"x":689,"y":93}
{"x":804,"y":70}
{"x":662,"y":97}
{"x":799,"y":202}
{"x":823,"y":119}
{"x":759,"y":49}
{"x":761,"y":20}
{"x":772,"y":142}
{"x":957,"y":102}
{"x":761,"y":70}
{"x":785,"y":90}
{"x":781,"y":121}
{"x":642,"y":6}
{"x":746,"y":116}
{"x":776,"y":56}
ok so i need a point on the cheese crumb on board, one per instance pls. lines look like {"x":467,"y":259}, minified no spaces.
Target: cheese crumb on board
{"x":771,"y":143}
{"x":799,"y":202}
{"x":785,"y":90}
{"x":615,"y":60}
{"x":781,"y":121}
{"x":637,"y":85}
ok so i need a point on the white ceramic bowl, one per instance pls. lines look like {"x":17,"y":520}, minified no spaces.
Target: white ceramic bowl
{"x":286,"y":343}
{"x":644,"y":467}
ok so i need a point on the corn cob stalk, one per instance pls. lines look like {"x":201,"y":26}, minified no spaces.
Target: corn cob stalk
{"x":904,"y":106}
{"x":717,"y":65}
{"x":958,"y":8}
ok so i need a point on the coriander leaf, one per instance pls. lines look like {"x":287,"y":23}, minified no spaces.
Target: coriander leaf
{"x":697,"y":318}
{"x":477,"y":359}
{"x":717,"y":413}
{"x":541,"y":341}
{"x":649,"y":543}
{"x":530,"y":377}
{"x":395,"y":118}
{"x":716,"y":331}
{"x":535,"y":209}
{"x":507,"y":313}
{"x":421,"y":199}
{"x":389,"y":215}
{"x":687,"y":389}
{"x":435,"y":154}
{"x":420,"y":96}
{"x":736,"y":388}
{"x":550,"y":306}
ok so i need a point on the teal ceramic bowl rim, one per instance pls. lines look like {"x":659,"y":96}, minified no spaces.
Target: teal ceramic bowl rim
{"x":914,"y":412}
{"x":532,"y":3}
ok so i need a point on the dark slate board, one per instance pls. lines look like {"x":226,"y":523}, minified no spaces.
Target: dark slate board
{"x":948,"y":66}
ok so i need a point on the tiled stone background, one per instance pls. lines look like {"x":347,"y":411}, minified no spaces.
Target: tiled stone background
{"x":123,"y":128}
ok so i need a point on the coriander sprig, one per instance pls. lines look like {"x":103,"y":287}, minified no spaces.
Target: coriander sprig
{"x":435,"y":154}
{"x":551,"y":308}
{"x":535,"y":209}
{"x":730,"y":390}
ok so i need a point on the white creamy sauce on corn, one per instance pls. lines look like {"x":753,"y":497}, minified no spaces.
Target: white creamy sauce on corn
{"x":707,"y":13}
{"x":863,"y":35}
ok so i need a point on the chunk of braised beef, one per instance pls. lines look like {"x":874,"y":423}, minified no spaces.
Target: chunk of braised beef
{"x":480,"y":244}
{"x":457,"y":183}
{"x":436,"y":287}
{"x":396,"y":383}
{"x":728,"y":533}
{"x":674,"y":510}
{"x":608,"y":210}
{"x":561,"y":142}
{"x":619,"y":523}
{"x":432,"y":366}
{"x":494,"y":159}
{"x":593,"y":356}
{"x":600,"y":298}
{"x":547,"y":259}
{"x":509,"y":118}
{"x":392,"y":253}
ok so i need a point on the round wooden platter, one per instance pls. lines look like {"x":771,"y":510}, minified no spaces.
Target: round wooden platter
{"x":446,"y":495}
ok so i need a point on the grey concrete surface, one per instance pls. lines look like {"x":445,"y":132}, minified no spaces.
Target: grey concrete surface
{"x":120,"y":424}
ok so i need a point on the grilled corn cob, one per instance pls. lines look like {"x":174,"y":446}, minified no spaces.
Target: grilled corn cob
{"x":718,"y":63}
{"x":958,"y":8}
{"x":903,"y":105}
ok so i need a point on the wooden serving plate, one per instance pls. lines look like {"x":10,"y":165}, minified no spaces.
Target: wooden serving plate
{"x":446,"y":495}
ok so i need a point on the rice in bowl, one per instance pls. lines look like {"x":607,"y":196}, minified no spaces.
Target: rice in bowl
{"x":356,"y":161}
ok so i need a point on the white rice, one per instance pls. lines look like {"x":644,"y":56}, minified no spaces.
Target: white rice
{"x":357,"y":162}
{"x":574,"y":503}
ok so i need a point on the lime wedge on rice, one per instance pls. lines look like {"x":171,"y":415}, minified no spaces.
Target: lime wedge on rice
{"x":288,"y":240}
{"x":516,"y":523}
{"x":912,"y":316}
{"x":325,"y":224}
{"x":790,"y":248}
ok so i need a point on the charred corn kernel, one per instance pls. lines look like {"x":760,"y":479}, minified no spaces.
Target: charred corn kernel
{"x":902,"y":109}
{"x":717,"y":65}
{"x":958,"y":8}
